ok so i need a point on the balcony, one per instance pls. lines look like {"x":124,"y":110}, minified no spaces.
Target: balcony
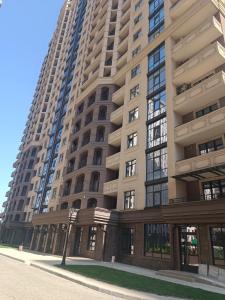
{"x":111,"y":188}
{"x":205,"y":61}
{"x":118,"y":96}
{"x":10,"y":183}
{"x":7,"y":194}
{"x":4,"y":204}
{"x":201,"y":162}
{"x":113,"y":161}
{"x":206,"y":127}
{"x":117,"y":116}
{"x":201,"y":13}
{"x":122,"y":61}
{"x":114,"y":138}
{"x":197,"y":40}
{"x":204,"y":93}
{"x":179,"y":7}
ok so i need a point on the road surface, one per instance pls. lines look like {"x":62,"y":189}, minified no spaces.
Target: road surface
{"x":21,"y":282}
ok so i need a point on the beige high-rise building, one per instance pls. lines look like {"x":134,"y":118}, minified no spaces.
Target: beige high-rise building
{"x":131,"y":136}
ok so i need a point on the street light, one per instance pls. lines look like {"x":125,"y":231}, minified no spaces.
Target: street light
{"x":71,"y":219}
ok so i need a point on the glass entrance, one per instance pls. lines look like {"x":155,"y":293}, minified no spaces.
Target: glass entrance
{"x":189,"y":248}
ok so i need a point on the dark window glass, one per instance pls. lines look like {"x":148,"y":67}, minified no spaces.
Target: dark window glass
{"x":211,"y":146}
{"x":157,"y":194}
{"x":92,"y":238}
{"x":206,"y":110}
{"x":127,"y":241}
{"x":157,"y":240}
{"x":218,"y":245}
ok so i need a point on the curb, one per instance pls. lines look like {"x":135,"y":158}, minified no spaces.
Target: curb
{"x":88,"y":285}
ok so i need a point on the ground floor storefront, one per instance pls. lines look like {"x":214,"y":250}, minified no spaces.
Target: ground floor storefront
{"x":16,"y":233}
{"x":179,"y":237}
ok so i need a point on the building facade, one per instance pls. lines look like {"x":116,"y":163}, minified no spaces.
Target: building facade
{"x":132,"y":136}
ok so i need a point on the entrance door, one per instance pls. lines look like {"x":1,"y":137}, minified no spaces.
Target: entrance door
{"x":189,"y":248}
{"x":78,"y":236}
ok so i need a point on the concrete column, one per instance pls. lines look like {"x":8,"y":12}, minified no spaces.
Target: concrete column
{"x":205,"y":251}
{"x":55,"y":241}
{"x":39,"y":238}
{"x":46,"y":239}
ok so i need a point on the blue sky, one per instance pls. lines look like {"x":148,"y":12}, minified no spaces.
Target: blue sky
{"x":26,"y":28}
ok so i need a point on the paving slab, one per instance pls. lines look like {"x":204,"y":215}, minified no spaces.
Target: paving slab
{"x":48,"y":263}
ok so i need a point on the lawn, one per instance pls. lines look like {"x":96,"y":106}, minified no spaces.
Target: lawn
{"x":7,"y":246}
{"x":142,"y":283}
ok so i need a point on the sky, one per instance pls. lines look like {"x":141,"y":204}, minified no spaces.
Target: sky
{"x":26,"y":28}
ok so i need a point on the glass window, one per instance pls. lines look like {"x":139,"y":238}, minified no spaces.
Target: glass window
{"x":137,"y":35}
{"x":218,"y":245}
{"x":156,"y":80}
{"x":92,"y":238}
{"x":211,"y":146}
{"x":157,"y":240}
{"x":157,"y":105}
{"x":129,"y":199}
{"x":156,"y":57}
{"x":157,"y":164}
{"x":135,"y":71}
{"x":134,"y":92}
{"x":154,"y":5}
{"x":206,"y":110}
{"x":213,"y":189}
{"x":132,"y":140}
{"x":157,"y":133}
{"x":133,"y":114}
{"x":136,"y":51}
{"x":156,"y":195}
{"x":130,"y":168}
{"x":127,"y":241}
{"x":156,"y":19}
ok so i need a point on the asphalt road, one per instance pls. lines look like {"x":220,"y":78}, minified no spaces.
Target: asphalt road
{"x":21,"y":282}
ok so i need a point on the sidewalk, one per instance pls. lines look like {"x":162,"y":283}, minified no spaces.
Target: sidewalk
{"x":47,"y":263}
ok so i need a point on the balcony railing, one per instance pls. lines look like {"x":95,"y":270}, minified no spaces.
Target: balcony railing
{"x":209,"y":197}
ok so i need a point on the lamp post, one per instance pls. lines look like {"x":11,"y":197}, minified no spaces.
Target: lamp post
{"x":71,"y":219}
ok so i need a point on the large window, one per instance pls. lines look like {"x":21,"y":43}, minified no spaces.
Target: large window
{"x":130,"y":168}
{"x":156,"y":18}
{"x":156,"y":80}
{"x":157,"y":105}
{"x":127,"y":241}
{"x":206,"y":110}
{"x":92,"y":238}
{"x":213,"y":189}
{"x":157,"y":133}
{"x":218,"y":245}
{"x":156,"y":57}
{"x":129,"y":199}
{"x":157,"y":240}
{"x":157,"y":194}
{"x":157,"y":164}
{"x":211,"y":146}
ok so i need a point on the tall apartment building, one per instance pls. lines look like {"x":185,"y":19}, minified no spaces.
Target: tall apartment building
{"x":132,"y":137}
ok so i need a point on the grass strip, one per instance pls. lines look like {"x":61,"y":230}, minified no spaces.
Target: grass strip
{"x":142,"y":283}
